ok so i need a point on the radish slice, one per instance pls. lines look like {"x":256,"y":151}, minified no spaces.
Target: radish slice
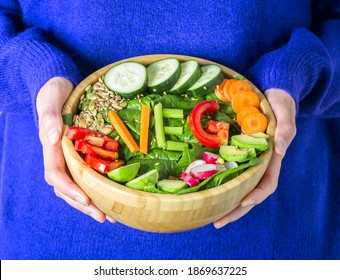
{"x":190,"y":180}
{"x":210,"y":157}
{"x":221,"y":167}
{"x":204,"y":171}
{"x":230,"y":164}
{"x":194,"y":164}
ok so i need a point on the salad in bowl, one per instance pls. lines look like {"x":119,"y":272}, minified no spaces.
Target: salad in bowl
{"x":164,"y":129}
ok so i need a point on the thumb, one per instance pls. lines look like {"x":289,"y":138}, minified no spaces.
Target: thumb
{"x":50,"y":124}
{"x":50,"y":101}
{"x":283,"y":106}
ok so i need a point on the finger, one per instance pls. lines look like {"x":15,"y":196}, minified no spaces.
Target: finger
{"x":283,"y":106}
{"x":267,"y":184}
{"x":55,"y":174}
{"x":265,"y":188}
{"x":234,"y":215}
{"x":90,"y":210}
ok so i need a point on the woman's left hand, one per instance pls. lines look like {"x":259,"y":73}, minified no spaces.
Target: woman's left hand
{"x":283,"y":106}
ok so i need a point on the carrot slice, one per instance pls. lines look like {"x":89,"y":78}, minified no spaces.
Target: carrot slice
{"x":245,"y":98}
{"x":123,"y":131}
{"x":219,"y":91}
{"x":144,"y":129}
{"x":237,"y":86}
{"x":254,"y":122}
{"x":226,"y":89}
{"x":244,"y":111}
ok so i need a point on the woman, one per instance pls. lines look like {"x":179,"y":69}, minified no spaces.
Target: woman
{"x":289,"y":49}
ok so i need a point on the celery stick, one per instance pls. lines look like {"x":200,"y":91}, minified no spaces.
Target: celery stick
{"x":173,"y":113}
{"x":173,"y":130}
{"x":176,"y":145}
{"x":159,"y":128}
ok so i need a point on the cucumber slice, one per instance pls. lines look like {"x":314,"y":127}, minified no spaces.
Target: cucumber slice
{"x":260,"y":135}
{"x":212,"y":76}
{"x":125,"y":173}
{"x":163,"y":75}
{"x":171,"y":186}
{"x":232,"y":153}
{"x":191,"y":72}
{"x":245,"y":141}
{"x":127,"y":79}
{"x":149,"y":178}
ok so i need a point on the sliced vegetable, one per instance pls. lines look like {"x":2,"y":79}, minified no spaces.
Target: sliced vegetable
{"x":245,"y":141}
{"x":210,"y":157}
{"x":254,"y":123}
{"x":92,"y":137}
{"x":237,"y":86}
{"x":105,"y":142}
{"x":219,"y":91}
{"x":144,"y":128}
{"x":127,"y":79}
{"x":173,"y":130}
{"x":212,"y":76}
{"x":230,"y":164}
{"x":193,"y":164}
{"x":159,"y":128}
{"x":123,"y":131}
{"x":215,"y":127}
{"x":86,"y":148}
{"x":245,"y":98}
{"x":150,"y":178}
{"x":232,"y":153}
{"x":163,"y":75}
{"x":190,"y":74}
{"x":204,"y":171}
{"x":209,"y":140}
{"x":189,"y":179}
{"x":171,"y":186}
{"x":244,"y":111}
{"x":176,"y":145}
{"x":173,"y":113}
{"x":101,"y":165}
{"x":260,"y":135}
{"x":124,"y":174}
{"x":226,"y":90}
{"x":79,"y":133}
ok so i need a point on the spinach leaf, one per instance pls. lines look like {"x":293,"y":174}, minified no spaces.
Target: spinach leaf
{"x":162,"y":160}
{"x":187,"y":135}
{"x":131,"y":118}
{"x":221,"y":177}
{"x":67,"y":119}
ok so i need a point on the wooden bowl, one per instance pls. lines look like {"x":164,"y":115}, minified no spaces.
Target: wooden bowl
{"x":162,"y":212}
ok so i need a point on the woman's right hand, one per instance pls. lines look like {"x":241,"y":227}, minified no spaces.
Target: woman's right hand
{"x":50,"y":101}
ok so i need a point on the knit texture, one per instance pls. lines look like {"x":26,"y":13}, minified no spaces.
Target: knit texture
{"x":292,"y":45}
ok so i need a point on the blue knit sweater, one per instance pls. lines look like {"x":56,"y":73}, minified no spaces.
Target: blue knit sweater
{"x":292,"y":45}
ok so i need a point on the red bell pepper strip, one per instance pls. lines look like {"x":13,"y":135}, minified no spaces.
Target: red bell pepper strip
{"x":86,"y":148}
{"x":79,"y":133}
{"x":92,"y":137}
{"x":207,"y":139}
{"x":101,"y":165}
{"x":214,"y":126}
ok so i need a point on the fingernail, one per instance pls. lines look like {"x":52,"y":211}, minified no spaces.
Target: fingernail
{"x":111,"y":220}
{"x":81,"y":200}
{"x":248,"y":203}
{"x":218,"y":225}
{"x":280,"y":146}
{"x":53,"y":136}
{"x":94,"y":216}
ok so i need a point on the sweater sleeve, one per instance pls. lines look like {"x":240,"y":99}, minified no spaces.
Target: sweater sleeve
{"x":27,"y":62}
{"x":308,"y":67}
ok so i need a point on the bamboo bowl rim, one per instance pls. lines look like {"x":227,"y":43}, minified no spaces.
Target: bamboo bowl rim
{"x":140,"y":197}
